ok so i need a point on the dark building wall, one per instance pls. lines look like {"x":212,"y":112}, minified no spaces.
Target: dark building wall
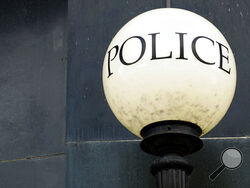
{"x":101,"y":153}
{"x":32,"y":93}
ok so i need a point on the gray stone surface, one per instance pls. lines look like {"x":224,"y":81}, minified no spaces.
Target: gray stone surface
{"x":122,"y":164}
{"x":32,"y":78}
{"x":32,"y":93}
{"x":35,"y":173}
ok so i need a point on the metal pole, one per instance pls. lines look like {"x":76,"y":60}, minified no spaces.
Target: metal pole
{"x":171,"y":141}
{"x":171,"y":171}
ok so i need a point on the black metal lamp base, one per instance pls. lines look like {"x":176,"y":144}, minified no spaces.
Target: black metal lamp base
{"x":171,"y":140}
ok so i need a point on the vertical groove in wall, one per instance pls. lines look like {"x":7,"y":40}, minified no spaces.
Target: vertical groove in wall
{"x":168,"y":3}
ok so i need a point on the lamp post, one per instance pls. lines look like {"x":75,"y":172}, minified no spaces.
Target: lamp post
{"x":169,"y":77}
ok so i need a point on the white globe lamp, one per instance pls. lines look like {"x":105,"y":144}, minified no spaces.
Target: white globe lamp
{"x":169,"y":76}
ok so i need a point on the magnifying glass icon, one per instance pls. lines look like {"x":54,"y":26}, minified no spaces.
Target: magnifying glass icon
{"x":231,"y":159}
